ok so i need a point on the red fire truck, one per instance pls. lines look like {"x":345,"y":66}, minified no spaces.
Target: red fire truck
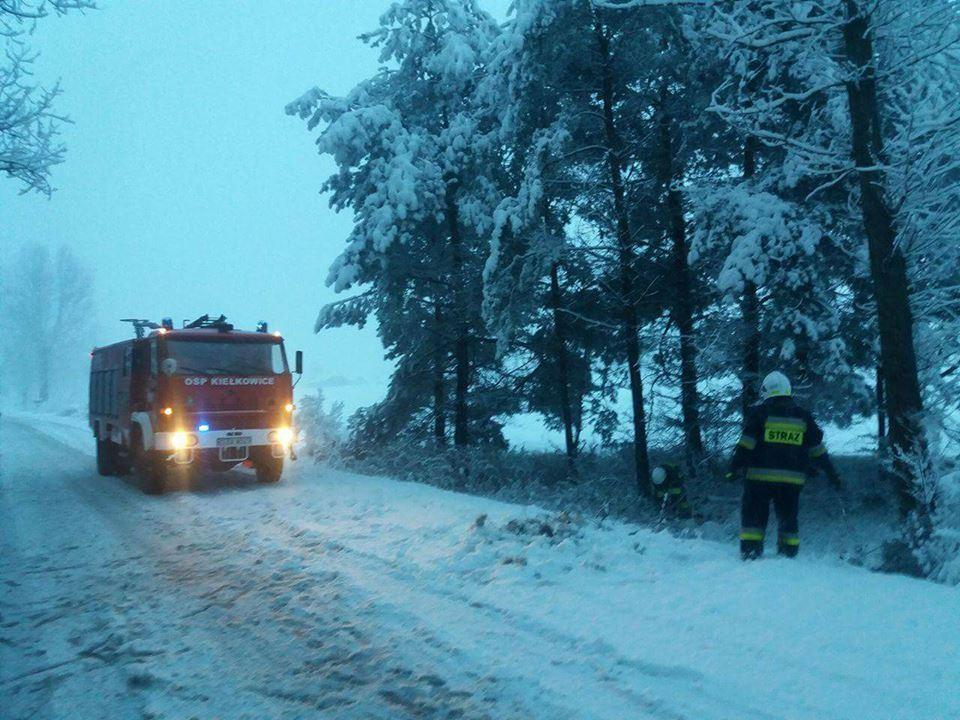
{"x":204,"y":396}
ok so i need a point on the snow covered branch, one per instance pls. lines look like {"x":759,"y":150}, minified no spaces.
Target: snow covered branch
{"x":630,"y":4}
{"x":28,"y":121}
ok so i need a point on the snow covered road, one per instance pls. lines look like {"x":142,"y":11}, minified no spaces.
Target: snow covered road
{"x":340,"y":596}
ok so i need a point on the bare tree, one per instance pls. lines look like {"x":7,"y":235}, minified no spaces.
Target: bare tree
{"x":47,"y":309}
{"x":28,"y":120}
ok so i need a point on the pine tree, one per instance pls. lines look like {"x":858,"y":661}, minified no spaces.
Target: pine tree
{"x":411,"y":167}
{"x":588,"y":59}
{"x":842,"y":85}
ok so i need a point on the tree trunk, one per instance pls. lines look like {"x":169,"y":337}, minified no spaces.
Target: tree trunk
{"x":439,"y":371}
{"x":750,"y":308}
{"x":626,"y":260}
{"x":750,"y":374}
{"x":682,"y":309}
{"x":560,"y":339}
{"x":461,"y":419}
{"x":888,"y":269}
{"x":881,"y":412}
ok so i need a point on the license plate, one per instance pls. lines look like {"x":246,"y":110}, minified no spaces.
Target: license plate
{"x":234,"y":441}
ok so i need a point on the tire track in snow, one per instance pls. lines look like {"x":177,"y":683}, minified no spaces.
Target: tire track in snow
{"x":343,"y":625}
{"x":271,"y":640}
{"x":679,"y":693}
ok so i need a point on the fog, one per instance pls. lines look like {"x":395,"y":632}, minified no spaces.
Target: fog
{"x":186,"y":189}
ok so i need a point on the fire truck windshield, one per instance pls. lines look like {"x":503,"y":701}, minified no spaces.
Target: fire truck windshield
{"x":200,"y":357}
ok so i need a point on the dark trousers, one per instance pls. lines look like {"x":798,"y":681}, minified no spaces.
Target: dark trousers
{"x":755,"y":511}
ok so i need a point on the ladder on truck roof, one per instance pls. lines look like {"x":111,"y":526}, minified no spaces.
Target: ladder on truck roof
{"x":141,"y":325}
{"x":204,"y":321}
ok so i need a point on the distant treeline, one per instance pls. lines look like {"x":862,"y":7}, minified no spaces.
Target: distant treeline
{"x":46,"y":327}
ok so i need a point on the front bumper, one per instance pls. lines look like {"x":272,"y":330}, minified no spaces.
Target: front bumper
{"x":259,"y":437}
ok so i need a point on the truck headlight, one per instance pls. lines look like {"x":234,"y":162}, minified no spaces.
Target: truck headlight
{"x":182,"y":440}
{"x":284,"y":436}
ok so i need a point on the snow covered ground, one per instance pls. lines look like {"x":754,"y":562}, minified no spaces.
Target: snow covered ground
{"x":341,"y":596}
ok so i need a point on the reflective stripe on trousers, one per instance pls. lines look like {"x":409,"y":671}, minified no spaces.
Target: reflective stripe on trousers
{"x":774,"y":475}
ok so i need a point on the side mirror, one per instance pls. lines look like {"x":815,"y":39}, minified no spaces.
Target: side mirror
{"x":168,"y":367}
{"x":298,"y":363}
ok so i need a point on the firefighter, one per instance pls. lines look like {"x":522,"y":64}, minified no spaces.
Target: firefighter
{"x":779,"y":445}
{"x":670,"y":491}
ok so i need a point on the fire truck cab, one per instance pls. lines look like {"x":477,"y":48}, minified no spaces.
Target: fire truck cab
{"x":204,"y":396}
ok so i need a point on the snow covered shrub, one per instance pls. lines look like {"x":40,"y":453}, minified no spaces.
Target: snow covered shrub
{"x":929,"y":543}
{"x":600,"y":486}
{"x":414,"y":463}
{"x":939,"y":552}
{"x":481,"y":470}
{"x":321,"y":431}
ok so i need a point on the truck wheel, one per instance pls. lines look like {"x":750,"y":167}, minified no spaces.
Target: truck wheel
{"x":123,"y":463}
{"x":268,"y":469}
{"x":152,"y":473}
{"x":106,"y":458}
{"x":150,"y":468}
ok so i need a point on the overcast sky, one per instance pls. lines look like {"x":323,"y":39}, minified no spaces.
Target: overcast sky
{"x":186,"y":188}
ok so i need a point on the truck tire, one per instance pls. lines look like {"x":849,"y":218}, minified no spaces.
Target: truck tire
{"x":152,"y":473}
{"x":268,"y":469}
{"x":106,"y":458}
{"x":122,"y":461}
{"x":150,"y":467}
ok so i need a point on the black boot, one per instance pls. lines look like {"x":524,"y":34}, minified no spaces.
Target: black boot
{"x":751,"y":549}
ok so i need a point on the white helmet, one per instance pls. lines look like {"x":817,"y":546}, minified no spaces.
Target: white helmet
{"x":659,"y":475}
{"x":774,"y":385}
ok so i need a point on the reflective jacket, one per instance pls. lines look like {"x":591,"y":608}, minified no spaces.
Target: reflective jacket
{"x":779,"y":443}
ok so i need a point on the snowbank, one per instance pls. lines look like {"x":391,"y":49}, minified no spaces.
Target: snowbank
{"x":67,"y":426}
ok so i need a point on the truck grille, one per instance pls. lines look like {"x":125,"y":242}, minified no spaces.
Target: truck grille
{"x":232,"y":419}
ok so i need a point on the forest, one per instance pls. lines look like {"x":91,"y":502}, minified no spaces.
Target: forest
{"x":620,"y":214}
